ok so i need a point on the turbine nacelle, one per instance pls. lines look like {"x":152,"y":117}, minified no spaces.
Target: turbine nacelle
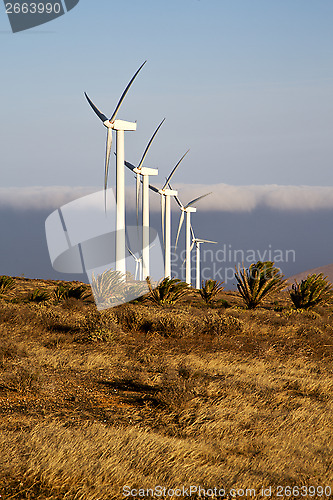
{"x":145,"y":171}
{"x":168,"y":192}
{"x":122,"y":125}
{"x":188,"y":209}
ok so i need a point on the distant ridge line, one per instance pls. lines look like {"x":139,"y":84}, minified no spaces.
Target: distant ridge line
{"x":326,"y":270}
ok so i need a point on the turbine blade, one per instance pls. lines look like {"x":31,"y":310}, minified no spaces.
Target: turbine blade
{"x":192,"y":232}
{"x":129,"y":165}
{"x":113,"y":117}
{"x":197,"y":199}
{"x":181,"y":220}
{"x":199,"y":240}
{"x":163,"y":216}
{"x":97,"y":111}
{"x":174,"y":170}
{"x":176,"y":197}
{"x":107,"y":161}
{"x":130,"y":251}
{"x":178,"y":201}
{"x":136,"y":261}
{"x":153,"y":188}
{"x":191,"y":247}
{"x":149,"y":144}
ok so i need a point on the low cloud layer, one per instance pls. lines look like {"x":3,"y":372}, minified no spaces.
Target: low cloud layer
{"x":41,"y":197}
{"x":247,"y":198}
{"x":224,"y":197}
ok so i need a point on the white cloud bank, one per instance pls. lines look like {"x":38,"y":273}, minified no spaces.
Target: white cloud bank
{"x":246,"y":198}
{"x":224,"y":197}
{"x":41,"y":197}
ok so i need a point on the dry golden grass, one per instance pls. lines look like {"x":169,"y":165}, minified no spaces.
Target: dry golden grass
{"x":142,"y":396}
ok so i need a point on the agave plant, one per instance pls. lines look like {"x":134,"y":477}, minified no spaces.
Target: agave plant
{"x":6,"y":283}
{"x":109,"y":287}
{"x":168,"y":291}
{"x":313,"y":290}
{"x":135,"y":290}
{"x":64,"y":292}
{"x":209,"y":289}
{"x":258,"y":281}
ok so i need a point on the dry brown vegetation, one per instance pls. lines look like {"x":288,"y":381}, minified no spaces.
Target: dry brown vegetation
{"x":142,"y":395}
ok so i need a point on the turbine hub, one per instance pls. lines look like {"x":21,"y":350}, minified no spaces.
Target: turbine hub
{"x":108,"y":124}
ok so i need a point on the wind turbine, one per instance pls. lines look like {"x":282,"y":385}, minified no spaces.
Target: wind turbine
{"x":197,"y":242}
{"x":138,"y":265}
{"x":120,"y":126}
{"x":165,"y":194}
{"x":145,"y":172}
{"x":188,"y":209}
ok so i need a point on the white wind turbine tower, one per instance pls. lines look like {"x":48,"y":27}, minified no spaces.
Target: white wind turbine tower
{"x":188,"y":209}
{"x":120,"y":126}
{"x":197,"y":242}
{"x":165,"y":194}
{"x":145,"y":172}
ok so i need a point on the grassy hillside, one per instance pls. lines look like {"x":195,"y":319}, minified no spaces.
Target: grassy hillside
{"x":144,"y":396}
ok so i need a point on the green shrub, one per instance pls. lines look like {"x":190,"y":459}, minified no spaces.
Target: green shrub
{"x":168,"y":291}
{"x":259,"y":281}
{"x":223,"y":303}
{"x":209,"y":289}
{"x":313,"y":290}
{"x":38,"y":296}
{"x":64,"y":292}
{"x":6,"y":283}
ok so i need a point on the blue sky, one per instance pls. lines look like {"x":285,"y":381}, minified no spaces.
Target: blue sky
{"x":246,"y":85}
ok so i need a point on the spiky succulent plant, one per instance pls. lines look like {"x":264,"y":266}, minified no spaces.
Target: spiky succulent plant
{"x":313,"y":290}
{"x":258,"y":281}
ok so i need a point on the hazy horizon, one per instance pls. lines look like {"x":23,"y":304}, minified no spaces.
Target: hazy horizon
{"x":261,"y":233}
